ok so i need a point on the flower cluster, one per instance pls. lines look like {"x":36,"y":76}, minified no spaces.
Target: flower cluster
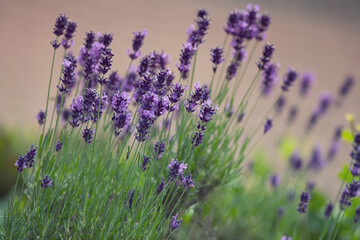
{"x":87,"y":134}
{"x":27,"y":160}
{"x":304,"y":200}
{"x":68,"y":71}
{"x":159,"y":148}
{"x":201,"y":95}
{"x":196,"y":35}
{"x":122,"y":116}
{"x":46,"y":182}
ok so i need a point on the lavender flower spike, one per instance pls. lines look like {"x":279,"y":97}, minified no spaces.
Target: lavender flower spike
{"x":357,"y":214}
{"x":27,"y":160}
{"x":159,"y":148}
{"x":207,"y":111}
{"x":289,"y":79}
{"x":188,"y":182}
{"x":328,"y":209}
{"x":68,"y":70}
{"x":266,"y":56}
{"x":41,"y":117}
{"x":306,"y":81}
{"x":58,"y":146}
{"x":160,"y":187}
{"x":217,"y":57}
{"x":175,"y":223}
{"x":46,"y":182}
{"x":137,"y":43}
{"x":304,"y":200}
{"x":346,"y":86}
{"x":176,"y":168}
{"x":268,"y":125}
{"x":88,"y":134}
{"x":60,"y":24}
{"x":185,"y":59}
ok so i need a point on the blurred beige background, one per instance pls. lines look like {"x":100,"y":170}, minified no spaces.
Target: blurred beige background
{"x":322,"y":36}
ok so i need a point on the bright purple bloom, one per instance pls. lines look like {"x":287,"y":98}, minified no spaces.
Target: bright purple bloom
{"x":207,"y":111}
{"x":216,"y":57}
{"x":190,"y":105}
{"x":196,"y":36}
{"x":68,"y":72}
{"x":144,"y":65}
{"x":159,"y":149}
{"x":185,"y":59}
{"x":175,"y":223}
{"x":89,"y":40}
{"x":176,"y":168}
{"x":266,"y":56}
{"x":160,"y":187}
{"x":274,"y":180}
{"x":60,"y":24}
{"x":160,"y":81}
{"x":328,"y":209}
{"x":188,"y":182}
{"x":289,"y":79}
{"x":176,"y":92}
{"x":304,"y":200}
{"x":58,"y":146}
{"x":137,"y":43}
{"x":87,"y":134}
{"x":46,"y":182}
{"x":317,"y":161}
{"x":27,"y":160}
{"x":41,"y":117}
{"x":306,"y":80}
{"x":120,"y":102}
{"x":268,"y":125}
{"x":346,"y":86}
{"x":295,"y":161}
{"x":106,"y":39}
{"x":77,"y":109}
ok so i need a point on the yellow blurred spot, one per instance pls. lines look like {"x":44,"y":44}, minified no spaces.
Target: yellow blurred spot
{"x":350,"y":117}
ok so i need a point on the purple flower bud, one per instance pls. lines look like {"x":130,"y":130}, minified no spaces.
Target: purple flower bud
{"x":306,"y":80}
{"x":325,"y":100}
{"x":46,"y":182}
{"x":232,"y":70}
{"x":106,"y":39}
{"x":55,"y":44}
{"x":105,"y":62}
{"x":41,"y":117}
{"x":196,"y":36}
{"x":87,"y":134}
{"x":274,"y":180}
{"x":207,"y":111}
{"x":175,"y":223}
{"x":188,"y":182}
{"x":216,"y":57}
{"x":334,"y":148}
{"x":145,"y":163}
{"x":98,"y":112}
{"x":199,"y":135}
{"x":58,"y":146}
{"x":60,"y":24}
{"x":337,"y":133}
{"x":353,"y":188}
{"x":240,"y":117}
{"x":160,"y":187}
{"x":176,"y":168}
{"x":176,"y":92}
{"x":27,"y":160}
{"x":70,"y":30}
{"x":317,"y":161}
{"x":144,"y":65}
{"x":357,"y":214}
{"x":269,"y":78}
{"x":232,"y":22}
{"x":89,"y":40}
{"x":120,"y":102}
{"x":289,"y":79}
{"x":345,"y":199}
{"x":280,"y":103}
{"x":266,"y":56}
{"x":137,"y":43}
{"x":68,"y":72}
{"x":130,"y":197}
{"x":185,"y":59}
{"x":346,"y":86}
{"x":159,"y":149}
{"x":295,"y":161}
{"x":76,"y":109}
{"x":328,"y":209}
{"x":304,"y":200}
{"x":268,"y":125}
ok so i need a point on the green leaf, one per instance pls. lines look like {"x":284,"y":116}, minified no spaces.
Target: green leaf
{"x":347,"y":135}
{"x":345,"y":174}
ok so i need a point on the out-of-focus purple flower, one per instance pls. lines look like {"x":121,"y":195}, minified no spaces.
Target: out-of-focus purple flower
{"x":337,"y":133}
{"x":130,"y":197}
{"x":232,"y":22}
{"x":286,"y":238}
{"x":188,"y":182}
{"x":176,"y":168}
{"x":268,"y":125}
{"x":325,"y":100}
{"x":58,"y":146}
{"x":196,"y":35}
{"x":46,"y":182}
{"x":264,"y":22}
{"x":175,"y":223}
{"x":328,"y":209}
{"x":87,"y":134}
{"x":357,"y":214}
{"x":280,"y":212}
{"x":240,"y":54}
{"x":41,"y":117}
{"x":333,"y":150}
{"x":199,"y":135}
{"x":280,"y":104}
{"x":229,"y":110}
{"x":289,"y":78}
{"x":77,"y":109}
{"x":207,"y":111}
{"x":161,"y":187}
{"x":121,"y":120}
{"x":317,"y":161}
{"x":295,"y":161}
{"x":274,"y":180}
{"x":159,"y":148}
{"x":345,"y":199}
{"x":266,"y":56}
{"x":185,"y":59}
{"x":145,"y":163}
{"x":60,"y":24}
{"x":306,"y":80}
{"x":106,"y":39}
{"x":240,"y":116}
{"x":137,"y":43}
{"x":100,"y":107}
{"x":55,"y":44}
{"x":310,"y":185}
{"x":269,"y":78}
{"x":232,"y":70}
{"x":346,"y":86}
{"x":216,"y":57}
{"x":130,"y":80}
{"x":27,"y":160}
{"x":314,"y":117}
{"x":293,"y":112}
{"x":304,"y":200}
{"x":144,"y":65}
{"x":353,"y":188}
{"x":68,"y":72}
{"x":159,"y":60}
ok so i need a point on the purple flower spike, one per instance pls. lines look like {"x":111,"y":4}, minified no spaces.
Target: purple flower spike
{"x":188,"y":182}
{"x":232,"y":22}
{"x":159,"y":148}
{"x":145,"y":163}
{"x":27,"y":160}
{"x":207,"y":111}
{"x":307,"y":79}
{"x":232,"y":70}
{"x":268,"y":125}
{"x":120,"y":102}
{"x":280,"y":104}
{"x":55,"y":44}
{"x":60,"y":24}
{"x":346,"y":86}
{"x":103,"y":104}
{"x":357,"y":214}
{"x":266,"y":56}
{"x":333,"y":150}
{"x":68,"y":70}
{"x":325,"y":100}
{"x":144,"y":65}
{"x":196,"y":35}
{"x":106,"y":39}
{"x":41,"y":117}
{"x":185,"y":59}
{"x":176,"y":168}
{"x":328,"y":209}
{"x":295,"y":161}
{"x":345,"y":199}
{"x":88,"y":134}
{"x":160,"y":187}
{"x":176,"y":92}
{"x":190,"y":105}
{"x":269,"y":78}
{"x":70,"y":30}
{"x":199,"y":135}
{"x":304,"y":200}
{"x":137,"y":43}
{"x":289,"y":79}
{"x":89,"y":40}
{"x":353,"y":188}
{"x":46,"y":182}
{"x":76,"y":109}
{"x":293,"y":112}
{"x":58,"y":146}
{"x":105,"y":62}
{"x":175,"y":223}
{"x":274,"y":180}
{"x":240,"y":117}
{"x":216,"y":57}
{"x":317,"y":161}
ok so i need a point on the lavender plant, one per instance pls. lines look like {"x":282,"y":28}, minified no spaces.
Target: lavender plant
{"x":139,"y":156}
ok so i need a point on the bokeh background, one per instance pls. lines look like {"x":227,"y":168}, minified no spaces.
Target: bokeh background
{"x":322,"y":36}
